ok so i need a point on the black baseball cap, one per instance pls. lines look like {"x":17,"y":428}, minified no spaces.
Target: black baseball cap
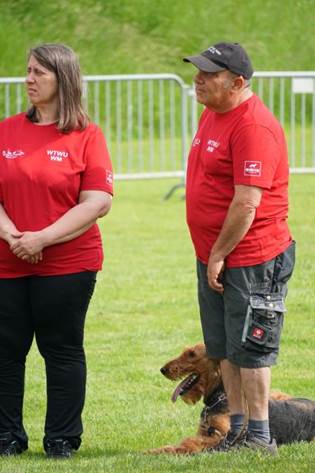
{"x":222,"y":56}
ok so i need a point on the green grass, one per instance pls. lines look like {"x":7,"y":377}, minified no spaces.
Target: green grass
{"x":116,"y":36}
{"x":145,"y":308}
{"x":142,"y":36}
{"x":145,"y":311}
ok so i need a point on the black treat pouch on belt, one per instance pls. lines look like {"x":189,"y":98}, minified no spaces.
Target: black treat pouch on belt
{"x":263,"y":322}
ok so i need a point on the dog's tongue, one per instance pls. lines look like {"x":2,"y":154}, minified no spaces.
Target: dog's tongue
{"x":184,"y":386}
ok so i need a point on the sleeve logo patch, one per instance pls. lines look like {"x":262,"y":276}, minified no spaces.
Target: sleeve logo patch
{"x":109,"y":177}
{"x":252,"y":168}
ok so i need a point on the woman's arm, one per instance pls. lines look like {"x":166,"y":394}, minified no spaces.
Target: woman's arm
{"x":10,"y":234}
{"x":8,"y":230}
{"x":92,"y":205}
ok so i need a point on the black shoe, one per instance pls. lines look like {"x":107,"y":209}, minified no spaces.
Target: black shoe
{"x":58,"y":448}
{"x":9,"y":446}
{"x":230,"y":441}
{"x":254,"y":443}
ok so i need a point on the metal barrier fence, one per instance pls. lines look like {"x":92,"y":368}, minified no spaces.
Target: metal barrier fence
{"x":143,"y":116}
{"x":149,"y":119}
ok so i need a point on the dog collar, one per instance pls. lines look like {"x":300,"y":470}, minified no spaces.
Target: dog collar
{"x":217,"y":397}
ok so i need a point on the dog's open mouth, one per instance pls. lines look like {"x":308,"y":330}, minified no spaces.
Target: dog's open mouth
{"x":185,"y":385}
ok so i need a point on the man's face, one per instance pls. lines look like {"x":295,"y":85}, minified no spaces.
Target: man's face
{"x":213,"y":89}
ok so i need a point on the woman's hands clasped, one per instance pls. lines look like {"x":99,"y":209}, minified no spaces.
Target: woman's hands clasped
{"x":27,"y":246}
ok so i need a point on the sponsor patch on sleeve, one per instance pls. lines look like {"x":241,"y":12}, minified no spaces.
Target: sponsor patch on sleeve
{"x":109,"y":177}
{"x":252,"y":168}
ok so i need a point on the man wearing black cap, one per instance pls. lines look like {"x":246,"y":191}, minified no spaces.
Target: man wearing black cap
{"x":237,"y":209}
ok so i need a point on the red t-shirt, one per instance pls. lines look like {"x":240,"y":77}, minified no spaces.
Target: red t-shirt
{"x":42,"y":172}
{"x":245,"y":146}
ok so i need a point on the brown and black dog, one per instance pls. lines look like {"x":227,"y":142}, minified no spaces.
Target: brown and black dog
{"x":291,"y":419}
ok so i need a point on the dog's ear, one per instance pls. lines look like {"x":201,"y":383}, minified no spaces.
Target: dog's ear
{"x":191,"y":353}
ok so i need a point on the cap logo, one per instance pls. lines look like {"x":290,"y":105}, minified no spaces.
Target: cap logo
{"x":214,"y":50}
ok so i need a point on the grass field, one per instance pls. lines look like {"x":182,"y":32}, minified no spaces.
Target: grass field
{"x":118,"y":37}
{"x":144,"y":312}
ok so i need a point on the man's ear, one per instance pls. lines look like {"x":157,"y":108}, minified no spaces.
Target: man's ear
{"x":238,"y":83}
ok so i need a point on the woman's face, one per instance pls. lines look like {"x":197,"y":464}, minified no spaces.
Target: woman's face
{"x":41,"y":84}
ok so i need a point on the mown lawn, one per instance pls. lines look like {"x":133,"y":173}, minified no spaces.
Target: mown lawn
{"x":119,"y":37}
{"x":144,"y":312}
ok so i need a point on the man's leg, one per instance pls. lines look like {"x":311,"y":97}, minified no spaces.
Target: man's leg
{"x":211,"y":308}
{"x":212,"y":320}
{"x":231,"y":377}
{"x":252,"y":365}
{"x":256,"y":386}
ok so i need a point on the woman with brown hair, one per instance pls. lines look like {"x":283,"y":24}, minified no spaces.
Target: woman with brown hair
{"x":55,"y":182}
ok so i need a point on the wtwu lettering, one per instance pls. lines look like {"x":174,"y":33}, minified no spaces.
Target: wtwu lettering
{"x":56,"y":155}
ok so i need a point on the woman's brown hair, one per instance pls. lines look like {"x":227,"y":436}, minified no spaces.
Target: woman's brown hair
{"x":64,"y":63}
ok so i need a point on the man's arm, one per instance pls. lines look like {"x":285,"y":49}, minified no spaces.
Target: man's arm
{"x":238,"y":220}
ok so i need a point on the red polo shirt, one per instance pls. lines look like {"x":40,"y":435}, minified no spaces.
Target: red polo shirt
{"x":42,"y":172}
{"x":243,"y":146}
